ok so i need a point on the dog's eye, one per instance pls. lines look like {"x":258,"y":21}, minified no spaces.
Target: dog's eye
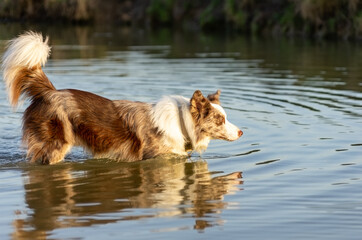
{"x":220,"y":120}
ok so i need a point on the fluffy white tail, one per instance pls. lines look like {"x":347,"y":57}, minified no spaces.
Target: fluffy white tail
{"x":28,"y":51}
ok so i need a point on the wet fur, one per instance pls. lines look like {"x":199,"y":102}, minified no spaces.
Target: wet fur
{"x":56,"y":120}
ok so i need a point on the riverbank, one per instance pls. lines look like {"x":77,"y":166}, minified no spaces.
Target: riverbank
{"x":322,"y":18}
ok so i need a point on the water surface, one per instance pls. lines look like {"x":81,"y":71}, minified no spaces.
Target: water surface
{"x":295,"y":173}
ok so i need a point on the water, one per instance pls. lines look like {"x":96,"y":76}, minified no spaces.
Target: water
{"x":294,"y":174}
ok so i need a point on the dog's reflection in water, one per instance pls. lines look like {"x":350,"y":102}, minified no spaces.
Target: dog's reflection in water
{"x":77,"y":194}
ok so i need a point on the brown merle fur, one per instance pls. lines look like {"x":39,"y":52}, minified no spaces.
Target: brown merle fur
{"x":215,"y":97}
{"x":57,"y":120}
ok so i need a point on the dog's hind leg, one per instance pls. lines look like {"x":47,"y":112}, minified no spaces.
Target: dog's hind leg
{"x":47,"y":139}
{"x":48,"y":153}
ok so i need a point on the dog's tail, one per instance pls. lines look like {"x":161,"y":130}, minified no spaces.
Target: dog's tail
{"x":21,"y":65}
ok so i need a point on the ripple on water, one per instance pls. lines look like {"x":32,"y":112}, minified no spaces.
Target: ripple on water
{"x":295,"y":171}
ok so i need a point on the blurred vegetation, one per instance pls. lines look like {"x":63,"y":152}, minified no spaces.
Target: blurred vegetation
{"x":321,"y":18}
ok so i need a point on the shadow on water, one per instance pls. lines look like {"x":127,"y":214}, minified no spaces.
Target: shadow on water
{"x":101,"y":191}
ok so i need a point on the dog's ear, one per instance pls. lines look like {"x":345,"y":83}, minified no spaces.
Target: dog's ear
{"x":214,"y":98}
{"x":199,"y":105}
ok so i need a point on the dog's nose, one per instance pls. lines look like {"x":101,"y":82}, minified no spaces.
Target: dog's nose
{"x":240,"y":133}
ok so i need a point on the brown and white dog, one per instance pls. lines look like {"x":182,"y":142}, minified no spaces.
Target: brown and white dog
{"x":56,"y":120}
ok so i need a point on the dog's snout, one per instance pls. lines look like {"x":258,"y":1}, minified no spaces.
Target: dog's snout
{"x":240,"y":133}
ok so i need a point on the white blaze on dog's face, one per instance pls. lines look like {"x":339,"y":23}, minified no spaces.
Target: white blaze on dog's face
{"x":210,"y":118}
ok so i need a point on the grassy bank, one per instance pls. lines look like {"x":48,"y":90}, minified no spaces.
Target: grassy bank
{"x":321,"y":18}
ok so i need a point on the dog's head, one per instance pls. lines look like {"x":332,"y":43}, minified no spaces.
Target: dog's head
{"x":210,"y":118}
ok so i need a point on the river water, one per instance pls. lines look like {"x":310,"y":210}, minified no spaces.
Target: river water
{"x":296,"y":173}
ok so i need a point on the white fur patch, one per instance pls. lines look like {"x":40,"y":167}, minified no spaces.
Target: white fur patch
{"x":166,"y":116}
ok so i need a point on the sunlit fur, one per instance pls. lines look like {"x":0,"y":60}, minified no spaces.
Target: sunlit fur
{"x":57,"y":120}
{"x":28,"y":50}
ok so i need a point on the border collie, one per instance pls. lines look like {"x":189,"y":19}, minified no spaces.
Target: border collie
{"x":125,"y":130}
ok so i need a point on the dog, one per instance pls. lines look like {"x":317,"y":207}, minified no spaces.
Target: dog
{"x":57,"y":120}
